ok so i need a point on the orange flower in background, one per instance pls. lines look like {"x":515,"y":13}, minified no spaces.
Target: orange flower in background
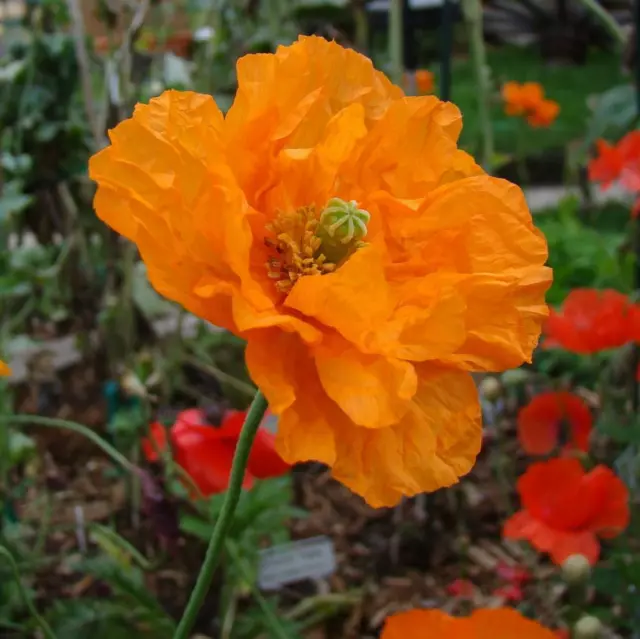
{"x":333,"y":223}
{"x":528,"y":100}
{"x":205,"y":451}
{"x":541,"y":420}
{"x":565,"y":509}
{"x":544,"y":114}
{"x":522,"y":99}
{"x":4,"y":370}
{"x":424,"y":81}
{"x":591,"y":321}
{"x":497,"y":623}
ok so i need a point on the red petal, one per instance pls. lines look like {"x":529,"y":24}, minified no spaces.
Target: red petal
{"x":156,"y":443}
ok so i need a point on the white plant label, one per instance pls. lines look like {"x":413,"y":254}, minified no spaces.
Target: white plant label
{"x":312,"y":558}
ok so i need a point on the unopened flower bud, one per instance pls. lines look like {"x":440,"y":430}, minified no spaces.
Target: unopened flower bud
{"x":132,"y":385}
{"x":588,"y":628}
{"x":490,"y":388}
{"x":576,"y":569}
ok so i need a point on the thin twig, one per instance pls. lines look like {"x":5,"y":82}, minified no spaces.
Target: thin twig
{"x":221,"y":376}
{"x":79,"y":42}
{"x":607,"y":20}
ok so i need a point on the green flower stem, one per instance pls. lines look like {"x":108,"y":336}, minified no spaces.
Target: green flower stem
{"x":607,"y":20}
{"x":53,"y":422}
{"x":473,"y":16}
{"x":216,"y":543}
{"x":41,"y":621}
{"x":395,"y":41}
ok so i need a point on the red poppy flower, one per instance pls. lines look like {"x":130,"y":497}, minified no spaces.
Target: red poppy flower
{"x":592,"y":321}
{"x":565,"y":509}
{"x":606,"y":168}
{"x":540,"y":421}
{"x":513,"y":574}
{"x":619,"y":161}
{"x":461,"y":588}
{"x":205,"y":452}
{"x":509,"y":592}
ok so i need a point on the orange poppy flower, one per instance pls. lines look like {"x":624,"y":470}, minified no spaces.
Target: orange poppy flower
{"x":566,"y":509}
{"x":528,"y":100}
{"x":544,"y":114}
{"x":257,"y":222}
{"x":424,"y":81}
{"x":522,"y":99}
{"x":591,"y":321}
{"x":4,"y":369}
{"x":496,"y":623}
{"x":540,"y":421}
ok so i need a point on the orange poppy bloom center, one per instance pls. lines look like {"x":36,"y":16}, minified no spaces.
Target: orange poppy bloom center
{"x":305,"y":242}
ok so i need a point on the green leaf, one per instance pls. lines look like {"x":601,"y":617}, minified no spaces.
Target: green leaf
{"x":196,"y":526}
{"x":12,"y":204}
{"x":21,"y":447}
{"x":127,"y":584}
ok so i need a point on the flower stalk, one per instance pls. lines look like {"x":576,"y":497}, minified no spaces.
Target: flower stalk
{"x":216,"y":543}
{"x":473,"y":16}
{"x":606,"y":19}
{"x":395,"y":41}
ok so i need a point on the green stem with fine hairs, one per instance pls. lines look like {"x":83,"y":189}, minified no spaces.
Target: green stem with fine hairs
{"x":216,"y":543}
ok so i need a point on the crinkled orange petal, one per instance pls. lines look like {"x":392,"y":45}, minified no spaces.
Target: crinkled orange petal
{"x":373,"y":391}
{"x":160,"y":184}
{"x":287,"y":99}
{"x":432,"y":447}
{"x":414,"y":159}
{"x":354,"y":300}
{"x":309,"y":175}
{"x":308,"y":419}
{"x":428,"y":322}
{"x":483,"y":226}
